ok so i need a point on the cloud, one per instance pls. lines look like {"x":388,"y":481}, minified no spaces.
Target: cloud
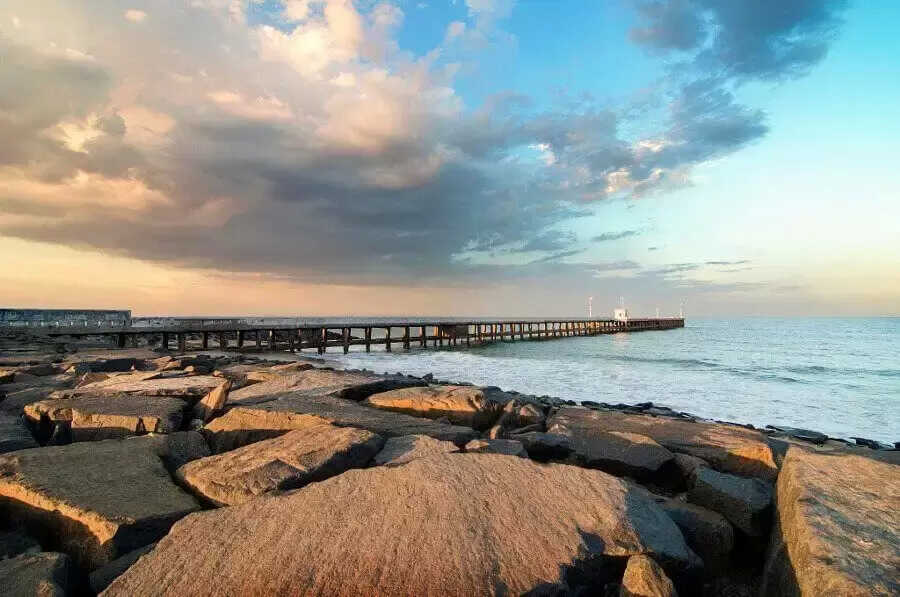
{"x":313,"y":147}
{"x":134,"y":15}
{"x":610,"y":236}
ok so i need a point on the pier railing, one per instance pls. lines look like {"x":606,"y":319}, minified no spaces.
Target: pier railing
{"x":228,"y":334}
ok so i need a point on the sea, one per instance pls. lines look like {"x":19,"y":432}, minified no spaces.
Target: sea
{"x":839,"y":376}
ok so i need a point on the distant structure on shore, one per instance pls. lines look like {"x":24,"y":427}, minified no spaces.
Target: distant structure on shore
{"x":64,"y":317}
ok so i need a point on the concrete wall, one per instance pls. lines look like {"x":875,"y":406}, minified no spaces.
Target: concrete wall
{"x":63,"y":317}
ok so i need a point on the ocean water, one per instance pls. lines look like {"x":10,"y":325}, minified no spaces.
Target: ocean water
{"x":837,"y":376}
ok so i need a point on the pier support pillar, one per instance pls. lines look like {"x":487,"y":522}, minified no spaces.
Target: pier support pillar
{"x":323,"y":340}
{"x":423,"y":337}
{"x":240,"y":339}
{"x":346,"y":337}
{"x":272,"y":340}
{"x":258,"y":335}
{"x":387,"y":339}
{"x":223,"y":341}
{"x":165,"y":341}
{"x":182,"y":342}
{"x":120,"y":340}
{"x":406,"y":338}
{"x":205,"y":341}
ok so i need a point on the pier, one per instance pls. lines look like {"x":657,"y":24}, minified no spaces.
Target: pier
{"x":294,"y":337}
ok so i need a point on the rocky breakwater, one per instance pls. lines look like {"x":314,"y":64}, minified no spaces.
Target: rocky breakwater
{"x":174,"y":475}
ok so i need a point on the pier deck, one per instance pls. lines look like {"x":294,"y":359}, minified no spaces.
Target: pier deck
{"x":319,"y":336}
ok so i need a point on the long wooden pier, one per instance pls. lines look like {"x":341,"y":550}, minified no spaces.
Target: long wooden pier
{"x":229,"y":334}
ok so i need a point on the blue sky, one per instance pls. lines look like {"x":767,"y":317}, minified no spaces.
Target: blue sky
{"x":507,"y":157}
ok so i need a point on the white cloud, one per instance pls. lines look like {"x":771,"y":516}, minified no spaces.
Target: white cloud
{"x":135,"y":16}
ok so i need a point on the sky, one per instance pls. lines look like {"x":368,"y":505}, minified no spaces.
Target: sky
{"x":470,"y":157}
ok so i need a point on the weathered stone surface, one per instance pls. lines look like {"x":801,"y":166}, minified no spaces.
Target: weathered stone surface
{"x":14,"y":435}
{"x":99,"y":416}
{"x":20,"y":394}
{"x":117,"y":365}
{"x":745,"y":501}
{"x":213,"y":403}
{"x":727,"y":448}
{"x":342,"y":384}
{"x":346,"y":413}
{"x":708,"y":533}
{"x":96,"y":500}
{"x":287,"y":462}
{"x":14,"y":543}
{"x":295,"y":366}
{"x":190,"y":388}
{"x":462,"y":405}
{"x":35,"y":575}
{"x":177,"y":449}
{"x":103,"y":576}
{"x":42,"y":370}
{"x":687,"y":465}
{"x":406,"y":448}
{"x":7,"y":376}
{"x":544,"y":446}
{"x":645,"y":578}
{"x":469,"y":524}
{"x":621,"y":453}
{"x":241,"y":426}
{"x":837,"y":528}
{"x":510,"y":447}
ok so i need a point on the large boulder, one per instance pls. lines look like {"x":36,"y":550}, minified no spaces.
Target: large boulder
{"x":96,"y":500}
{"x":461,"y":405}
{"x":645,"y":578}
{"x":728,"y":448}
{"x":287,"y":462}
{"x":16,"y":396}
{"x":346,"y":413}
{"x":708,"y":533}
{"x":745,"y":501}
{"x":544,"y":446}
{"x":452,"y":524}
{"x":14,"y":543}
{"x":341,"y":384}
{"x":510,"y":447}
{"x":618,"y":452}
{"x":406,"y":448}
{"x":99,"y":416}
{"x":837,"y":528}
{"x":241,"y":426}
{"x":100,"y":578}
{"x":35,"y":575}
{"x":189,"y":388}
{"x":14,"y":435}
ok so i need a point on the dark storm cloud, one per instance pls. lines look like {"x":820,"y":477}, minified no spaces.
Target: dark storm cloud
{"x":610,"y":236}
{"x":767,"y":39}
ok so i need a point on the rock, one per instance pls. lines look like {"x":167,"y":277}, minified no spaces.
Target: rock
{"x":804,"y":434}
{"x":14,"y":435}
{"x":103,"y":576}
{"x":346,"y":413}
{"x":99,"y":416}
{"x":462,"y":405}
{"x":406,"y":448}
{"x":21,"y":394}
{"x":90,"y":377}
{"x":687,"y":466}
{"x":35,"y":575}
{"x":241,"y":426}
{"x":451,"y":524}
{"x":177,"y":449}
{"x":14,"y":543}
{"x":7,"y":377}
{"x":287,"y":462}
{"x":620,"y":453}
{"x":870,"y":443}
{"x":296,"y":366}
{"x":645,"y":578}
{"x":341,"y":384}
{"x":42,"y":370}
{"x":708,"y":533}
{"x":495,"y":432}
{"x":117,"y":365}
{"x":544,"y":446}
{"x":745,"y":501}
{"x":188,"y":388}
{"x":197,"y":370}
{"x":517,"y":414}
{"x":212,"y":403}
{"x":837,"y":529}
{"x":93,"y":501}
{"x":728,"y":448}
{"x":509,"y":447}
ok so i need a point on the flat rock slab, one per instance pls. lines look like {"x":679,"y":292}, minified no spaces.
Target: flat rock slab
{"x":190,"y":388}
{"x":452,"y":524}
{"x":242,"y":426}
{"x":293,"y":460}
{"x":745,"y":501}
{"x":20,"y":394}
{"x":837,"y":528}
{"x":346,"y":413}
{"x":95,"y":500}
{"x":544,"y":446}
{"x":14,"y":435}
{"x":728,"y":448}
{"x":342,"y":384}
{"x":99,"y":416}
{"x":461,"y":405}
{"x":645,"y":578}
{"x":510,"y":447}
{"x":617,"y":452}
{"x":708,"y":533}
{"x":406,"y":448}
{"x":43,"y":574}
